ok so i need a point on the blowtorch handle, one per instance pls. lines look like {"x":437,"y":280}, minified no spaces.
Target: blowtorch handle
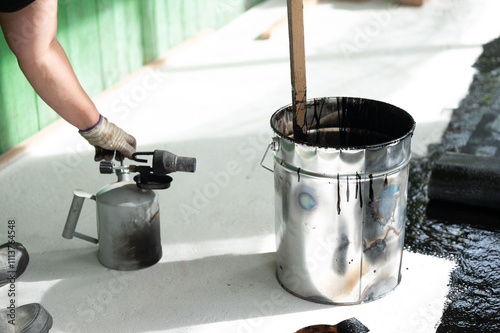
{"x":73,"y":215}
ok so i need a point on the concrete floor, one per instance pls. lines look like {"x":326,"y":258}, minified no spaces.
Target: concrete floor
{"x":212,"y":98}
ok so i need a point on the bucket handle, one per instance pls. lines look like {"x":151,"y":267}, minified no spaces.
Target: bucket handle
{"x":73,"y":215}
{"x":274,"y":146}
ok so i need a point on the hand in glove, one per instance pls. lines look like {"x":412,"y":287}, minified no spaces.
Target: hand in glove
{"x":107,"y":138}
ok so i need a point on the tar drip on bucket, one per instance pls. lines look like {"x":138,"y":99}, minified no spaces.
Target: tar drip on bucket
{"x":340,"y":199}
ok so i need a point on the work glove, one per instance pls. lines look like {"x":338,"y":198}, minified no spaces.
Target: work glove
{"x":107,"y":138}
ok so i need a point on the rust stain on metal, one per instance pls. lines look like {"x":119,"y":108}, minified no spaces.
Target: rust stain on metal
{"x":373,"y":241}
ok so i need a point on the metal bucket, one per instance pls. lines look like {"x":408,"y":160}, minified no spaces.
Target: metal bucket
{"x":340,"y":199}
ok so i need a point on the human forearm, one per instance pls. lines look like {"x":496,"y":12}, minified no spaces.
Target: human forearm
{"x":54,"y":80}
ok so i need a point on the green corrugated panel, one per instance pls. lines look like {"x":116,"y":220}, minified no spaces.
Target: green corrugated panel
{"x":218,"y":10}
{"x":120,"y":37}
{"x":129,"y":27}
{"x":206,"y":18}
{"x":251,"y":3}
{"x":105,"y":40}
{"x":18,"y":113}
{"x":114,"y":66}
{"x":62,"y":27}
{"x":227,"y":10}
{"x":149,"y":30}
{"x":161,"y":26}
{"x":239,"y":8}
{"x":190,"y":18}
{"x":84,"y":49}
{"x":174,"y":22}
{"x":46,"y":115}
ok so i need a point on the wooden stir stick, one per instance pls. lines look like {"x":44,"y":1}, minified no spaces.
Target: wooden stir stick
{"x":297,"y":67}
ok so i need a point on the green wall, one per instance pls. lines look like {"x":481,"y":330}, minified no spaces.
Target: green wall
{"x":105,"y":40}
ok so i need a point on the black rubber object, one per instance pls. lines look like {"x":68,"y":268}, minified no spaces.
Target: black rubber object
{"x":466,"y":179}
{"x":351,"y":325}
{"x":106,"y":167}
{"x":150,"y":181}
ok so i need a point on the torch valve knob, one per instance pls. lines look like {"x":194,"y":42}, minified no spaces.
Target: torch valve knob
{"x":106,"y":167}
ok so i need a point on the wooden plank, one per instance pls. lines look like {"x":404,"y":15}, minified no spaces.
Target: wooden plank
{"x":297,"y":67}
{"x":281,"y":24}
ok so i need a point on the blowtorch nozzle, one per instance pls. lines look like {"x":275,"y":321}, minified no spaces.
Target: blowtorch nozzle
{"x":165,"y":162}
{"x":155,"y":177}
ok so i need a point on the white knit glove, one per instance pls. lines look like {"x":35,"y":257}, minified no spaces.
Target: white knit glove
{"x":107,"y":138}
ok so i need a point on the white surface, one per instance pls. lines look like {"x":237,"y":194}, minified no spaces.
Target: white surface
{"x":213,"y":101}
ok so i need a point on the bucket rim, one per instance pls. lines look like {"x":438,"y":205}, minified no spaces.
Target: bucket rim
{"x":358,"y":147}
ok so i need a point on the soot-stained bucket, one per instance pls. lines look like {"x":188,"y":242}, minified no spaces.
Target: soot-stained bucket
{"x":340,"y":199}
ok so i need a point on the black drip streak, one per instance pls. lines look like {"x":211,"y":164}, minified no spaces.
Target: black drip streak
{"x":316,"y":118}
{"x":338,"y":194}
{"x":347,"y":191}
{"x":298,"y":132}
{"x":344,"y":138}
{"x":358,"y":185}
{"x":340,"y":109}
{"x":298,"y":175}
{"x":371,"y":187}
{"x":356,"y":192}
